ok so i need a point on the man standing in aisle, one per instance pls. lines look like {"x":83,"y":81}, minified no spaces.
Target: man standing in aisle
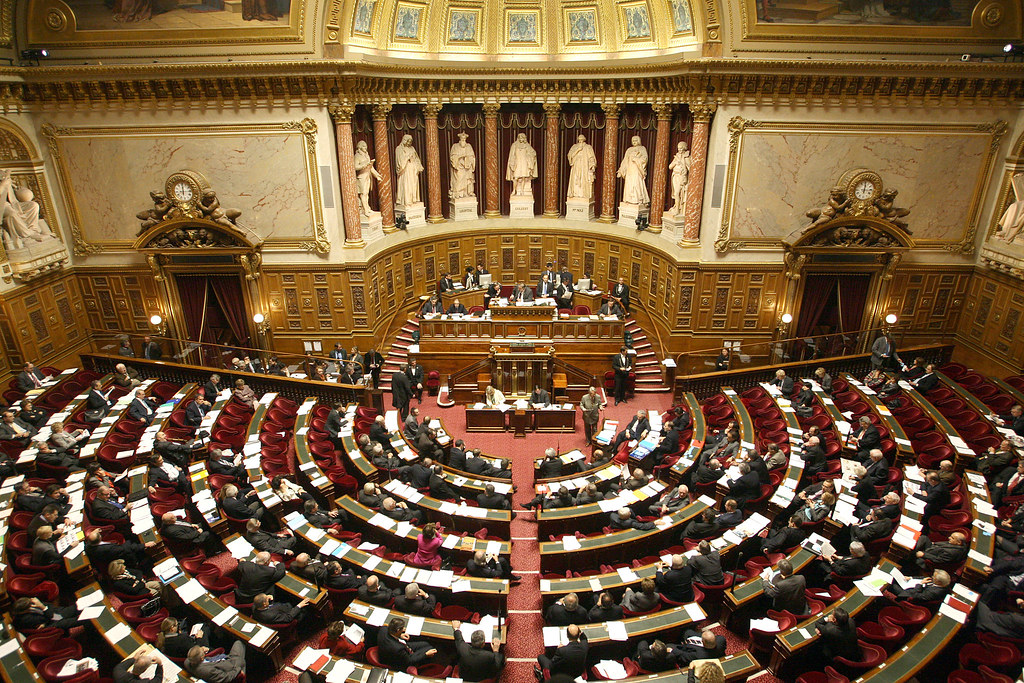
{"x":621,"y":364}
{"x":401,"y":391}
{"x":590,"y":404}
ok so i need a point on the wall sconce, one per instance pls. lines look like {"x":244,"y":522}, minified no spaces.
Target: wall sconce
{"x":891,"y":319}
{"x":262,"y":326}
{"x":158,"y":324}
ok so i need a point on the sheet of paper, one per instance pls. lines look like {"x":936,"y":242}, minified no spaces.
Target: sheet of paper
{"x":224,"y":616}
{"x":92,"y":612}
{"x":617,"y":631}
{"x":377,"y":617}
{"x":190,"y":591}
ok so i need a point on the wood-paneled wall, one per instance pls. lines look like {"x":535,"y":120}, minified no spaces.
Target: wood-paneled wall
{"x":929,"y":302}
{"x":120,"y":300}
{"x":992,"y":326}
{"x":43,"y":322}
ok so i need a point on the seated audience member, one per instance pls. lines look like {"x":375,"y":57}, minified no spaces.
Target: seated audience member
{"x":321,"y":519}
{"x":995,"y":461}
{"x":672,"y":500}
{"x":106,"y":507}
{"x":562,"y":498}
{"x":49,"y":515}
{"x":569,"y":660}
{"x":173,"y":643}
{"x":786,"y":590}
{"x":675,"y":582}
{"x":123,"y":580}
{"x":491,"y":500}
{"x":183,"y":531}
{"x":141,"y":408}
{"x":1007,"y":485}
{"x":44,"y":548}
{"x":308,"y":568}
{"x":702,"y":527}
{"x":415,"y":600}
{"x":874,"y":527}
{"x":440,"y":488}
{"x":196,"y":410}
{"x":340,"y":645}
{"x":775,"y":458}
{"x":566,"y":611}
{"x":54,"y":457}
{"x":281,"y":543}
{"x":266,"y":611}
{"x":635,"y":430}
{"x":746,"y":487}
{"x":165,"y":474}
{"x":31,"y":415}
{"x":258,"y":575}
{"x":606,"y":609}
{"x":227,"y":463}
{"x":857,"y":563}
{"x":126,"y":377}
{"x":101,"y":553}
{"x":931,"y":589}
{"x":784,"y":538}
{"x":644,"y":600}
{"x":177,"y":452}
{"x":237,"y":505}
{"x":395,"y":649}
{"x":706,"y":565}
{"x":550,"y":466}
{"x":702,"y":645}
{"x":28,"y":614}
{"x":951,"y":551}
{"x":816,"y":509}
{"x":287,"y":490}
{"x":216,"y":669}
{"x":623,"y":519}
{"x":373,"y":593}
{"x":401,"y":512}
{"x":588,"y":495}
{"x":657,"y":656}
{"x":476,"y":661}
{"x":244,"y":394}
{"x":926,"y":382}
{"x":838,"y":635}
{"x":486,"y":566}
{"x":371,"y":495}
{"x":731,"y":515}
{"x":478,"y":465}
{"x":15,"y":429}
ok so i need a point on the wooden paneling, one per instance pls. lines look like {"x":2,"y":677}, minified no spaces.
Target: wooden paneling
{"x":120,"y":300}
{"x":928,"y":301}
{"x":717,"y":302}
{"x":43,"y":323}
{"x":992,"y":320}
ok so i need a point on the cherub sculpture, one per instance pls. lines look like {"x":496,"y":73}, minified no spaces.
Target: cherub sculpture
{"x":837,"y":203}
{"x":210,"y":206}
{"x":885,"y":207}
{"x":152,"y":216}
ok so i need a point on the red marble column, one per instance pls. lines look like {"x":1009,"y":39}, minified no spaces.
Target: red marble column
{"x":698,"y":166}
{"x":660,"y":161}
{"x":435,"y":212}
{"x":342,"y":115}
{"x":492,"y":181}
{"x":383,"y":158}
{"x":552,"y":111}
{"x":609,"y":165}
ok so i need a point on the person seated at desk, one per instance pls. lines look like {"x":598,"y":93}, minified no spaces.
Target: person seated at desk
{"x":703,"y":645}
{"x":786,"y":590}
{"x":838,"y":635}
{"x":196,"y":410}
{"x":166,"y":474}
{"x":545,"y":288}
{"x":371,"y":495}
{"x":817,"y":509}
{"x":341,"y":578}
{"x":31,"y":499}
{"x":644,"y":600}
{"x":219,"y":669}
{"x":428,"y":547}
{"x":51,"y":516}
{"x":1008,"y":484}
{"x":417,"y":474}
{"x":521,"y":294}
{"x":126,"y":377}
{"x":931,"y":589}
{"x":550,"y":466}
{"x":540,"y":397}
{"x":858,"y":563}
{"x":995,"y":461}
{"x":874,"y":527}
{"x":212,"y":388}
{"x":493,"y":292}
{"x":411,"y":424}
{"x":400,"y":512}
{"x":340,"y":646}
{"x":266,"y":611}
{"x":281,"y":543}
{"x":635,"y":430}
{"x":322,"y":519}
{"x":414,"y":600}
{"x":588,"y":495}
{"x":8,"y":468}
{"x":240,"y":506}
{"x":569,"y":660}
{"x":445,"y":284}
{"x":492,"y":566}
{"x":611,"y":307}
{"x":183,"y":531}
{"x":141,"y":408}
{"x":606,"y":609}
{"x":226,"y":463}
{"x":562,"y":498}
{"x":44,"y":548}
{"x":926,"y":382}
{"x":675,"y":581}
{"x":657,"y":656}
{"x":706,"y":565}
{"x":783,"y":382}
{"x":244,"y":394}
{"x":433,"y":305}
{"x":667,"y":444}
{"x":746,"y":487}
{"x":913,"y":371}
{"x":877,"y":469}
{"x":346,"y":374}
{"x":475,"y":661}
{"x":478,"y":465}
{"x":469,"y":279}
{"x":123,"y":580}
{"x":670,"y":501}
{"x":30,"y":415}
{"x":101,"y":553}
{"x":936,"y":494}
{"x":29,"y":614}
{"x":456,"y":308}
{"x":373,"y":593}
{"x":708,"y":472}
{"x":55,"y":457}
{"x":730,"y":515}
{"x":865,"y":438}
{"x":379,"y":433}
{"x":566,"y":611}
{"x":276,"y":368}
{"x":492,"y":500}
{"x":951,"y":551}
{"x":563,"y":295}
{"x":824,"y":380}
{"x":1014,"y":421}
{"x":31,"y":378}
{"x":623,"y":519}
{"x":173,"y":643}
{"x":15,"y":429}
{"x":702,"y":527}
{"x":440,"y":488}
{"x":105,"y":506}
{"x":774,"y":458}
{"x":287,"y":490}
{"x":257,"y":576}
{"x":395,"y":649}
{"x":176,"y":452}
{"x":803,"y":404}
{"x":307,"y":568}
{"x":493,"y":397}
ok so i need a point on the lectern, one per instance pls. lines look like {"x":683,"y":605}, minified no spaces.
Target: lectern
{"x":520,"y":366}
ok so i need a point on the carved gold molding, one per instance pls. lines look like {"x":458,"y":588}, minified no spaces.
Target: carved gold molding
{"x":738,"y":126}
{"x":307,"y":128}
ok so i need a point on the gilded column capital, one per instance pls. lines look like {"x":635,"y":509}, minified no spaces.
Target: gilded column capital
{"x":611,"y":108}
{"x":552,"y":108}
{"x":702,"y":111}
{"x":380,"y":110}
{"x":663,"y":110}
{"x":341,"y":113}
{"x":432,"y":110}
{"x":491,"y":109}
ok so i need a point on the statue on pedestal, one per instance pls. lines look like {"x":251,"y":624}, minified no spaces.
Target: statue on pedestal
{"x":633,"y":170}
{"x":19,"y":215}
{"x":463,"y":160}
{"x":582,"y":166}
{"x":408,"y":168}
{"x":522,"y":167}
{"x":365,"y":173}
{"x":680,"y":168}
{"x":1012,"y":220}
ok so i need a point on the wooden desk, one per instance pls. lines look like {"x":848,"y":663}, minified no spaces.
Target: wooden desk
{"x":475,"y":335}
{"x":486,"y":420}
{"x":592,"y":517}
{"x":522,"y":313}
{"x":906,"y":662}
{"x":965,"y":456}
{"x":309,"y":474}
{"x":904,"y":451}
{"x":697,"y":439}
{"x":15,"y":666}
{"x":532,"y":419}
{"x":745,"y":596}
{"x":437,"y":629}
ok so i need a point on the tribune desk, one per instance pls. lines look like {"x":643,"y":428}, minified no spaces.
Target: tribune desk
{"x":519,"y":420}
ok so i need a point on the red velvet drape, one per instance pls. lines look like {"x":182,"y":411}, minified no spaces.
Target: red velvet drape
{"x":819,"y":290}
{"x":853,"y":295}
{"x":514,"y":119}
{"x":636,"y":120}
{"x":192,"y":293}
{"x":226,"y":290}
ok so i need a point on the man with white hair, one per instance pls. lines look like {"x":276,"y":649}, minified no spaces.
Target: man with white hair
{"x":125,"y":376}
{"x":132,"y":668}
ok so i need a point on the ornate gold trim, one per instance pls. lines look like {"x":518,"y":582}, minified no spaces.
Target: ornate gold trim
{"x":320,"y":244}
{"x":964,"y":245}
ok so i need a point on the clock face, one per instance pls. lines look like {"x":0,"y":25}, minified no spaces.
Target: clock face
{"x":865,"y":189}
{"x":183,"y":191}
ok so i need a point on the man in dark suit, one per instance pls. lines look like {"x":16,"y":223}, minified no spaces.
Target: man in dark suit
{"x":445,"y":284}
{"x":730,"y":516}
{"x":550,"y":466}
{"x":238,"y":505}
{"x":132,"y":669}
{"x":400,"y":512}
{"x":492,"y":500}
{"x":636,"y":429}
{"x":621,"y":292}
{"x":30,"y":378}
{"x":373,"y":593}
{"x":322,"y":519}
{"x":540,"y":396}
{"x":570,"y":659}
{"x":428,"y":446}
{"x":478,"y":465}
{"x":606,"y":609}
{"x":101,"y":553}
{"x":621,"y":364}
{"x":487,"y":566}
{"x":415,"y":374}
{"x":623,"y":519}
{"x":521,"y":294}
{"x":176,"y":452}
{"x":151,"y":349}
{"x":282,"y":543}
{"x":396,"y":651}
{"x":1015,"y":420}
{"x":401,"y":391}
{"x":549,"y":273}
{"x":783,"y":382}
{"x":1005,"y":624}
{"x":457,"y":455}
{"x":96,"y":402}
{"x":935,"y":494}
{"x":951,"y":551}
{"x":814,"y":456}
{"x":212,"y":388}
{"x":415,"y":600}
{"x":565,"y":277}
{"x":182,"y":531}
{"x":747,"y":487}
{"x":858,"y":563}
{"x":1008,"y":484}
{"x":142,"y":408}
{"x":931,"y":589}
{"x":675,"y":582}
{"x":702,"y":527}
{"x":440,"y":488}
{"x":226,"y":463}
{"x":786,"y":590}
{"x":882,"y":351}
{"x":379,"y":433}
{"x":865,"y":438}
{"x":706,"y":565}
{"x":873,"y":528}
{"x":668,"y":444}
{"x":49,"y":515}
{"x":106,"y":508}
{"x":563,"y":295}
{"x":839,"y":635}
{"x":566,"y":611}
{"x":673,"y":499}
{"x":15,"y":429}
{"x":545,"y":288}
{"x":418,"y":474}
{"x":196,"y":410}
{"x":266,"y":611}
{"x":44,"y":548}
{"x":783,"y":538}
{"x":476,"y":662}
{"x":703,"y":645}
{"x":257,"y":576}
{"x":994,"y":461}
{"x":927,"y":381}
{"x":877,"y":468}
{"x":657,"y":656}
{"x":371,"y":495}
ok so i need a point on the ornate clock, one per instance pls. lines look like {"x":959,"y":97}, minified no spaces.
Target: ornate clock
{"x":184,"y":189}
{"x":863,"y":186}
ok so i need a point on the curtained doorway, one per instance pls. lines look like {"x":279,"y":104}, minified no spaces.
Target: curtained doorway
{"x":214,"y":312}
{"x":831,"y":313}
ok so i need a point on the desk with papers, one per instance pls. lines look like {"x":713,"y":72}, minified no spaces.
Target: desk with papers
{"x":308,"y":473}
{"x":697,"y":439}
{"x":520,"y":418}
{"x":452,"y":515}
{"x":594,"y":516}
{"x":905,"y":453}
{"x":668,"y":624}
{"x":372,"y":617}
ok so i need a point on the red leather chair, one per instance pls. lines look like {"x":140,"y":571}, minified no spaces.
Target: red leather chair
{"x":829,"y":675}
{"x":871,"y":656}
{"x":50,"y":642}
{"x":888,"y":635}
{"x":455,"y":613}
{"x":373,"y":658}
{"x":32,"y":586}
{"x":764,"y":641}
{"x":433,"y":382}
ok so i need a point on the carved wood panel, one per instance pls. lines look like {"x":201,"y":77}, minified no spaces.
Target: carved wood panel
{"x":46,"y":322}
{"x":991,"y":320}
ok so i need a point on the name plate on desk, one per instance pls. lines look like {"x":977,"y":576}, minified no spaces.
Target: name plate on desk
{"x":522,"y":346}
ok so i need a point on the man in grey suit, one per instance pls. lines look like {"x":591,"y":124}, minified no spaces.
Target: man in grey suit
{"x":882,"y":351}
{"x":787,"y":590}
{"x":220,"y":669}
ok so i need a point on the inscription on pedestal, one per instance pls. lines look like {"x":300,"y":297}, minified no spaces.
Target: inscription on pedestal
{"x":521,"y":207}
{"x":415,"y":214}
{"x":465,"y":209}
{"x":579,"y":210}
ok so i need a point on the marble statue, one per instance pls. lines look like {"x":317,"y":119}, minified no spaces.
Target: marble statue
{"x":582,"y":166}
{"x":463,"y":160}
{"x":1012,"y":220}
{"x":19,"y":216}
{"x":365,"y":173}
{"x":680,"y":168}
{"x":408,"y":168}
{"x":522,"y":166}
{"x":633,"y":170}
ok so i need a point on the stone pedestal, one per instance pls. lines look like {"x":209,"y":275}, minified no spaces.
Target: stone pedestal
{"x":415,"y":214}
{"x":579,"y":209}
{"x":628,"y":214}
{"x":520,"y":206}
{"x":673,"y":223}
{"x":465,"y":209}
{"x":371,"y":221}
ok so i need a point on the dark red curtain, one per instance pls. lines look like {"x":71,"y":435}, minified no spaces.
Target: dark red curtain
{"x":853,"y":298}
{"x":407,"y":119}
{"x":362,"y":129}
{"x":227,"y":291}
{"x":819,"y":291}
{"x":514,"y":119}
{"x":636,"y":120}
{"x":576,"y":120}
{"x":455,"y":119}
{"x":192,"y":293}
